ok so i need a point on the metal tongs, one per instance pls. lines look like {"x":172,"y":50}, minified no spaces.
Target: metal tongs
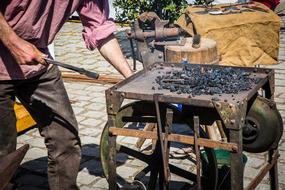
{"x":90,"y":74}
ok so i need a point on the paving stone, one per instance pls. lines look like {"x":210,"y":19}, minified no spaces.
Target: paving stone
{"x":101,"y":183}
{"x":255,"y":162}
{"x":37,"y":142}
{"x":95,"y":114}
{"x":34,"y":153}
{"x":88,"y":140}
{"x":94,"y":132}
{"x":85,"y":178}
{"x":77,"y":110}
{"x":250,"y":172}
{"x":263,"y":187}
{"x":91,"y":122}
{"x":23,"y":138}
{"x":97,"y":106}
{"x":127,"y":172}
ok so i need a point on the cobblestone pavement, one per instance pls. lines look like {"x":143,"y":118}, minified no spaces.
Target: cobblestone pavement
{"x":88,"y":101}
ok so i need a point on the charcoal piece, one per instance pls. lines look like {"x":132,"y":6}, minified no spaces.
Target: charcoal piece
{"x":210,"y":81}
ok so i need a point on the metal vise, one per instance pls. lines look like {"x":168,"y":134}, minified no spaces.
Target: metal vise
{"x":151,"y":34}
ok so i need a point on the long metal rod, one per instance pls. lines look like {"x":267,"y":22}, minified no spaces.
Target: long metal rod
{"x":90,"y":74}
{"x":174,"y":138}
{"x":160,"y":138}
{"x":197,"y":150}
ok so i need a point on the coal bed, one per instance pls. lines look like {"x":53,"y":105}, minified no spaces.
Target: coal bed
{"x":201,"y":80}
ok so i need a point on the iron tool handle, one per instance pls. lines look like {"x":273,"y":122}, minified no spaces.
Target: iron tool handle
{"x":90,"y":74}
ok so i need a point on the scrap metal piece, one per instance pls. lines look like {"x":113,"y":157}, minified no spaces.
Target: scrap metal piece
{"x":9,"y":165}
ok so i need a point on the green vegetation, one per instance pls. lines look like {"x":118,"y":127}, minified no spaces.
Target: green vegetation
{"x":129,"y":10}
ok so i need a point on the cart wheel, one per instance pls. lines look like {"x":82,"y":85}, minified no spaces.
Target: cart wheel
{"x":263,"y":126}
{"x":144,"y":112}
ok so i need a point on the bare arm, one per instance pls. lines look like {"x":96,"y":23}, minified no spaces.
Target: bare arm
{"x":112,"y":52}
{"x":23,"y":51}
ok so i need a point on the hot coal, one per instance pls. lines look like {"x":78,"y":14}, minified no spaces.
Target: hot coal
{"x":198,"y":80}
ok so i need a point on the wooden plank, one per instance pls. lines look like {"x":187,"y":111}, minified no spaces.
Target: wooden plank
{"x":103,"y":79}
{"x":174,"y":138}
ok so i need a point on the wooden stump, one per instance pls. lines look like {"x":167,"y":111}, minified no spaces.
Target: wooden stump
{"x":207,"y":53}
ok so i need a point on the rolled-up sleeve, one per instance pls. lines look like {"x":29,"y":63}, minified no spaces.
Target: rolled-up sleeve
{"x":94,"y":15}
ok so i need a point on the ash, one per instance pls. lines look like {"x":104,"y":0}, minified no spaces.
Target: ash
{"x":203,"y":80}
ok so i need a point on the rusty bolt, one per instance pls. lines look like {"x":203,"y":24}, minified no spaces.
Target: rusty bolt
{"x":218,"y":105}
{"x":234,"y":149}
{"x":129,"y":32}
{"x":231,"y":106}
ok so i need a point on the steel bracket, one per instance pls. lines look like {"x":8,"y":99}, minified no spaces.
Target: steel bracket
{"x":232,"y":115}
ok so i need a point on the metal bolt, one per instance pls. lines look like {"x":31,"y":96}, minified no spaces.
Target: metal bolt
{"x":232,"y":122}
{"x":235,"y":149}
{"x":111,"y":107}
{"x":111,"y":93}
{"x":267,"y":71}
{"x":231,"y":106}
{"x":123,"y":94}
{"x":129,"y":32}
{"x":218,"y":105}
{"x":160,"y":56}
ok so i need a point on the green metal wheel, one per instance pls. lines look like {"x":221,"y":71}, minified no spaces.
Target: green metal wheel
{"x":144,"y":112}
{"x":263,"y":126}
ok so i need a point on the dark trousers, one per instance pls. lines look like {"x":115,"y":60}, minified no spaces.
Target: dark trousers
{"x":45,"y":98}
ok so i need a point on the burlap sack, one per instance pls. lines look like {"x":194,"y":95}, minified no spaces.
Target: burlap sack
{"x":243,"y":39}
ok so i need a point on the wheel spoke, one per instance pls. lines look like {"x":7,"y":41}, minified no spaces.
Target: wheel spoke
{"x":136,"y":154}
{"x":182,"y":173}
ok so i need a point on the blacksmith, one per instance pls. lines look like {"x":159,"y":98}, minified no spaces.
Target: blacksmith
{"x":27,"y":27}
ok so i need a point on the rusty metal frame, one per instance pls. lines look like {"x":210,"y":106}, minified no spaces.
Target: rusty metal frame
{"x":231,"y":113}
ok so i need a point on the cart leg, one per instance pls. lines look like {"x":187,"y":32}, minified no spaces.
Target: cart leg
{"x":273,"y":172}
{"x":112,"y":163}
{"x":236,"y":161}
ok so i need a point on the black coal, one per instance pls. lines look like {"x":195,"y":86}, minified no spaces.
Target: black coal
{"x":198,"y":80}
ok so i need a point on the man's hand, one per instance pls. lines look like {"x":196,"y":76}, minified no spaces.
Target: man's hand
{"x":23,"y":51}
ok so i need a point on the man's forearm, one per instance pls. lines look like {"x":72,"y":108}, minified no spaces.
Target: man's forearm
{"x":6,"y":32}
{"x":112,"y":52}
